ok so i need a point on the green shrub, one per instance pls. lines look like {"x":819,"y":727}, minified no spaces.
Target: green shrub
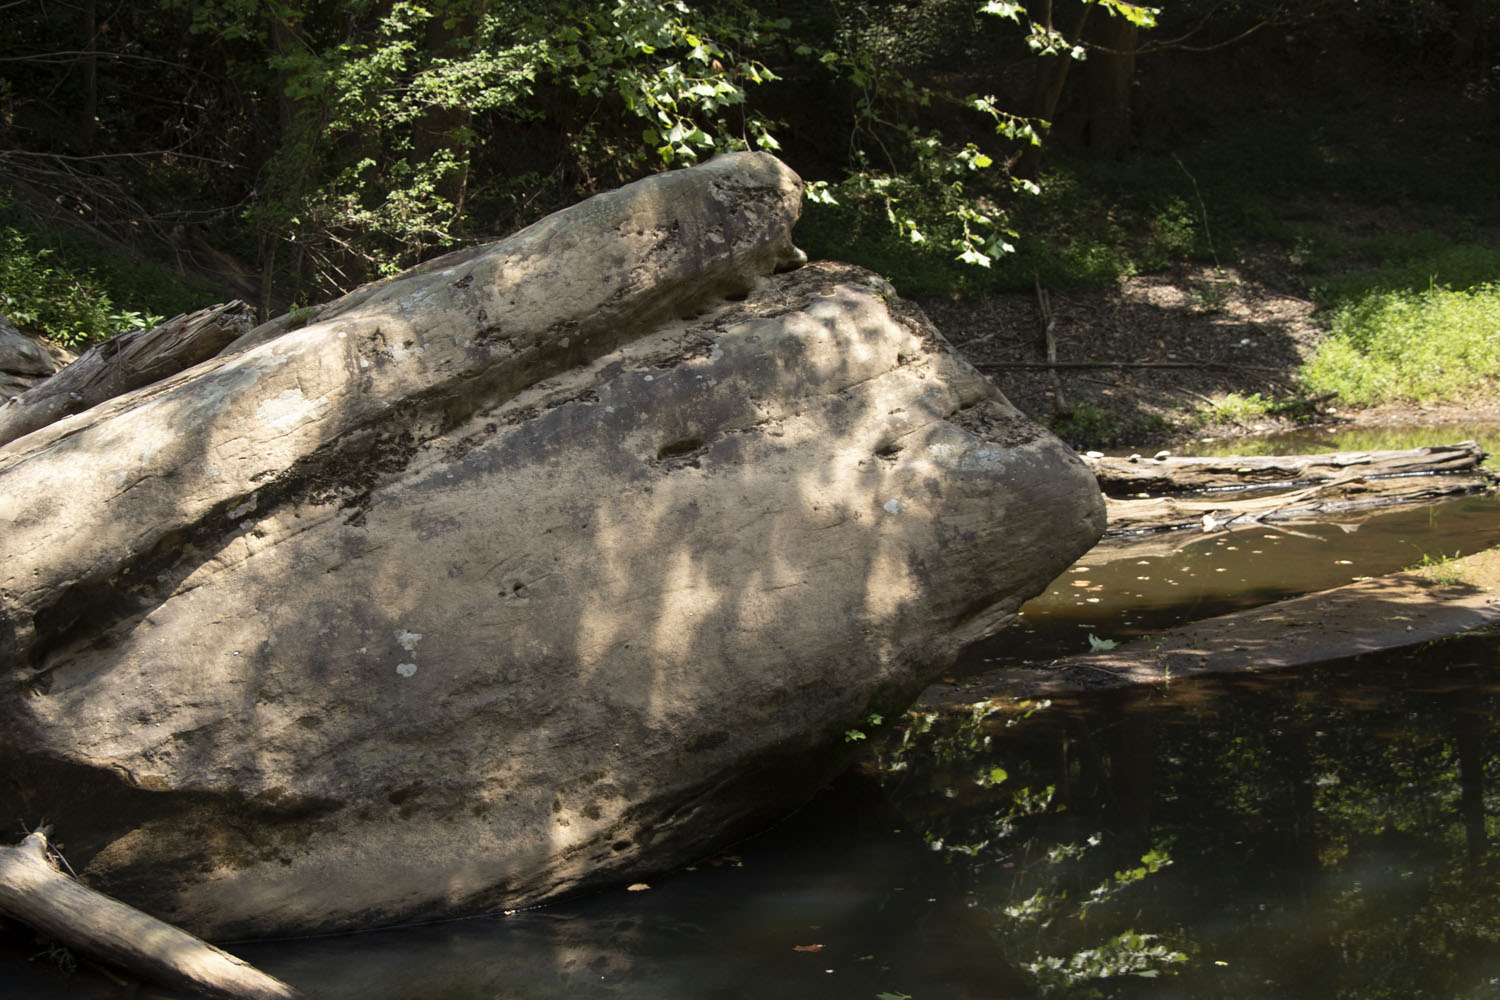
{"x":37,"y":291}
{"x":76,"y":294}
{"x":1234,"y":408}
{"x":1414,"y":263}
{"x":859,"y":234}
{"x":1086,"y":426}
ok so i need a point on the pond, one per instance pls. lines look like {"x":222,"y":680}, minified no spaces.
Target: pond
{"x":1314,"y":833}
{"x":1125,"y":590}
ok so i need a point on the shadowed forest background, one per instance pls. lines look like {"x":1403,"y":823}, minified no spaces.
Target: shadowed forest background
{"x":155,"y":157}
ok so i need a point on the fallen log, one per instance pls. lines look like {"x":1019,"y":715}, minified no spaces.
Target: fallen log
{"x":1134,"y":475}
{"x":1138,"y":517}
{"x":35,"y":892}
{"x":127,"y":362}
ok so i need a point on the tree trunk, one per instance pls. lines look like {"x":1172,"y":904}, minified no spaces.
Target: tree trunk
{"x":1129,"y":518}
{"x":1108,"y":74}
{"x":1051,"y":75}
{"x":75,"y":916}
{"x":1465,"y":31}
{"x":295,"y":144}
{"x":1221,"y":492}
{"x":1129,"y":477}
{"x":89,"y":108}
{"x":442,"y":128}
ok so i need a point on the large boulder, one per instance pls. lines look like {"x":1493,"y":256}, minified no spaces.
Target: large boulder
{"x":545,"y":564}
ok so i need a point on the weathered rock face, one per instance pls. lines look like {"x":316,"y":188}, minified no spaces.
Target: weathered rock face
{"x":23,"y":361}
{"x":545,"y":564}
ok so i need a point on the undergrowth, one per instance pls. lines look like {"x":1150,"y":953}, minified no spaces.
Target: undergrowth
{"x":74,"y":293}
{"x":1435,"y":345}
{"x":1386,"y":230}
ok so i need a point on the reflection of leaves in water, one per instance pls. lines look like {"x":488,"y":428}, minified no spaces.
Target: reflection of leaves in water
{"x":1040,"y":922}
{"x":1125,"y":954}
{"x":1046,"y":918}
{"x":1331,"y":830}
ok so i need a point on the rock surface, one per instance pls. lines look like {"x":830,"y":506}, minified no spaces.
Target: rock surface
{"x":548,"y":563}
{"x":23,"y":361}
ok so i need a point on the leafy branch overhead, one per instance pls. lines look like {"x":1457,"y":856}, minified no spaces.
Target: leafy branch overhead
{"x":356,"y":138}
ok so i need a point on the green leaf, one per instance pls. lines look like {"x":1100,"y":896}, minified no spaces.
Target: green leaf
{"x":819,"y":194}
{"x":1002,"y":8}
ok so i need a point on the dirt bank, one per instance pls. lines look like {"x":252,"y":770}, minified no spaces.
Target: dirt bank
{"x":1165,"y":347}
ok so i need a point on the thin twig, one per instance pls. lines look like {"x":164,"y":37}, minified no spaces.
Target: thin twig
{"x":1048,"y":321}
{"x":1203,"y":209}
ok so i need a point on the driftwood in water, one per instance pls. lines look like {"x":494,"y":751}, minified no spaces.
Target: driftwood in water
{"x":1129,"y":517}
{"x":75,"y":916}
{"x":1225,"y":492}
{"x":1125,"y":476}
{"x":127,"y":362}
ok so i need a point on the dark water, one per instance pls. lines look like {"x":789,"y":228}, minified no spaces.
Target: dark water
{"x":1319,"y":833}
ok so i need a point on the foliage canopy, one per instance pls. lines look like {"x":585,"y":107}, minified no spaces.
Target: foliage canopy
{"x":334,"y":142}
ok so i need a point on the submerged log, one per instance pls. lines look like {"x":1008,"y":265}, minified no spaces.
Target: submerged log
{"x":1126,"y":476}
{"x":129,"y":361}
{"x":34,"y":892}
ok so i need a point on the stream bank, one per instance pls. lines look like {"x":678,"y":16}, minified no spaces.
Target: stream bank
{"x":1387,"y":612}
{"x":1161,"y":360}
{"x":1154,"y":608}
